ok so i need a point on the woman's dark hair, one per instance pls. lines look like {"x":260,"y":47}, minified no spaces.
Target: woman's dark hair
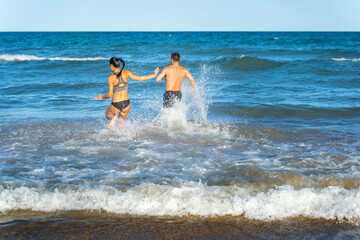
{"x":116,"y":63}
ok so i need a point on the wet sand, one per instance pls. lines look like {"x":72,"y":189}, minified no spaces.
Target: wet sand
{"x":129,"y":227}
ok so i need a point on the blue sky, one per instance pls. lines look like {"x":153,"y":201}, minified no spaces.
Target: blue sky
{"x":181,"y":15}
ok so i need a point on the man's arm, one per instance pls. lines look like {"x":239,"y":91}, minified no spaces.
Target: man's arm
{"x":192,"y":80}
{"x":110,"y":91}
{"x":161,"y":75}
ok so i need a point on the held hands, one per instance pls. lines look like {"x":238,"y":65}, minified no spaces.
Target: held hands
{"x":99,"y":97}
{"x":156,"y":71}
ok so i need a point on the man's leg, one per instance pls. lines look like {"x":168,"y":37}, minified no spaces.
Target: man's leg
{"x":168,"y":100}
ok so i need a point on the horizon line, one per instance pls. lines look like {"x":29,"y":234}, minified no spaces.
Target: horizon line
{"x":163,"y":31}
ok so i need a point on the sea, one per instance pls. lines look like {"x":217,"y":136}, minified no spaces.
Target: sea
{"x":267,"y":148}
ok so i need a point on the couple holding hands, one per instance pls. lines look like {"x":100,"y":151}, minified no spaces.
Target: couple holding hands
{"x":118,"y":84}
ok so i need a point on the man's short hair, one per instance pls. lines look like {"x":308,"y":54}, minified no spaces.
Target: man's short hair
{"x":175,"y":56}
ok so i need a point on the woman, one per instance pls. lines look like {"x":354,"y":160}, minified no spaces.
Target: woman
{"x":118,"y":83}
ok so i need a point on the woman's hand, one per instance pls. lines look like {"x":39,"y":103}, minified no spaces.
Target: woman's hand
{"x":99,"y":97}
{"x":156,"y":71}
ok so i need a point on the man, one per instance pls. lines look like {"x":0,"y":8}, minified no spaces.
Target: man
{"x":174,"y":76}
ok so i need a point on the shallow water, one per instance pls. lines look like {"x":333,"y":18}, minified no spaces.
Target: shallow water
{"x":272,"y":134}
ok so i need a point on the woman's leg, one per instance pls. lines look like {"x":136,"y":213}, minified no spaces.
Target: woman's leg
{"x":123,"y":114}
{"x":111,"y":114}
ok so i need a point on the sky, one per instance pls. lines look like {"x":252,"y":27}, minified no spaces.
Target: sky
{"x":181,"y":15}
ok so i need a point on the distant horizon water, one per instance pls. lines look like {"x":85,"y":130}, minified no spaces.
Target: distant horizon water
{"x":185,"y":31}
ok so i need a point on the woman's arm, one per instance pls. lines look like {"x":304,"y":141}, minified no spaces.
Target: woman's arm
{"x":143,"y":78}
{"x":110,"y":92}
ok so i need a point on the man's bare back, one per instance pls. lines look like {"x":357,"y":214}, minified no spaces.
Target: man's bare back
{"x":174,"y":77}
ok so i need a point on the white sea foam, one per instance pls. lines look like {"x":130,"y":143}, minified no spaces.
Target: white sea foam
{"x":346,"y":59}
{"x":229,"y":58}
{"x":12,"y":58}
{"x":174,"y":118}
{"x":191,"y":199}
{"x":38,"y":171}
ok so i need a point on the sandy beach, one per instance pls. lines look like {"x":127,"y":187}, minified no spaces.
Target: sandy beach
{"x":109,"y":226}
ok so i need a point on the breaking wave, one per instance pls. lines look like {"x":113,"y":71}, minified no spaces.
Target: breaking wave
{"x":346,"y":60}
{"x":191,"y":198}
{"x":13,"y":58}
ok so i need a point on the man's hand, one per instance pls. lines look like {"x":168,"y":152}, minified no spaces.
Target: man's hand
{"x":156,"y":71}
{"x":99,"y":97}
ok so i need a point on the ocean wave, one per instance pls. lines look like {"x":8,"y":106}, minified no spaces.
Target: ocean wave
{"x":13,"y":58}
{"x":346,"y":60}
{"x":332,"y":203}
{"x":247,"y":63}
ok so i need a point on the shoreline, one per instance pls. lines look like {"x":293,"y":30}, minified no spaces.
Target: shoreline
{"x":110,"y":226}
